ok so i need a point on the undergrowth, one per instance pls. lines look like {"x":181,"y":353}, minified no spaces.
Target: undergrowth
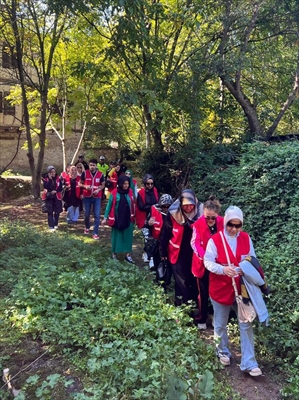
{"x":109,"y":320}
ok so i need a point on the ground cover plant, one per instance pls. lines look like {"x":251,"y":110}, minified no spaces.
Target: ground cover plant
{"x":264,"y":185}
{"x":111,"y":323}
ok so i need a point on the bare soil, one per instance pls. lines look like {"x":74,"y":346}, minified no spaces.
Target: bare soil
{"x":266,"y":387}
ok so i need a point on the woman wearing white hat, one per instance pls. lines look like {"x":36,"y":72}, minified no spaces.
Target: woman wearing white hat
{"x":221,"y":290}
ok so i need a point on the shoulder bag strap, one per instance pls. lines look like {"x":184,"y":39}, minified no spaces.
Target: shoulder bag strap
{"x":228,"y":261}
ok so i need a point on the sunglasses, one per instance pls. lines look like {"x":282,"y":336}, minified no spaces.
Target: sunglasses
{"x":231,"y":225}
{"x":149,"y":183}
{"x":210,"y":218}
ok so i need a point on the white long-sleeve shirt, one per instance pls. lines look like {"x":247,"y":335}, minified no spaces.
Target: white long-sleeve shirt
{"x":211,"y":253}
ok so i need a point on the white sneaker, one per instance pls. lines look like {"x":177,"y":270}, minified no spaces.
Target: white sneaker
{"x":255,"y":372}
{"x":145,"y":257}
{"x":202,"y":327}
{"x":55,"y":227}
{"x":224,"y":360}
{"x":151,"y":263}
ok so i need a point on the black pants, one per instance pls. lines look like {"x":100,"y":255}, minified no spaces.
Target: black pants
{"x":185,"y":283}
{"x":203,"y":284}
{"x":53,"y":219}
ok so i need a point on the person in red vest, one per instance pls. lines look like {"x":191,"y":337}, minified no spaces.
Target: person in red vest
{"x":73,"y":194}
{"x":203,"y":229}
{"x":93,"y":182}
{"x":239,"y":245}
{"x":175,"y":244}
{"x":120,"y":214}
{"x":154,"y":223}
{"x":52,"y":196}
{"x":147,"y":197}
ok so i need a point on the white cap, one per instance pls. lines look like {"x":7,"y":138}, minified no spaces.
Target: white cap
{"x":102,"y":158}
{"x":233,"y":212}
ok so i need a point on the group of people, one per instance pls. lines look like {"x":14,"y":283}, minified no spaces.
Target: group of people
{"x":196,"y":242}
{"x":203,"y":250}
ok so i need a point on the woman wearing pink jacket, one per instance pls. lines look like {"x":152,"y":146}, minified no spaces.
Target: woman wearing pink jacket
{"x":203,"y":229}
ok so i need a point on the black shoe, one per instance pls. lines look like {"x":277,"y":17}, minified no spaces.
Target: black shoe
{"x":129,"y":259}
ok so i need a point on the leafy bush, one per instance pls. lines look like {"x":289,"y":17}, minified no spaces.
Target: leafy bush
{"x":265,"y":186}
{"x":109,"y":318}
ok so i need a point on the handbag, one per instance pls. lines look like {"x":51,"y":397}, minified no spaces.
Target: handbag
{"x":164,"y":272}
{"x":246,"y":312}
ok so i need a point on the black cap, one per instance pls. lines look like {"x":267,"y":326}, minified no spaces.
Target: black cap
{"x":81,"y":156}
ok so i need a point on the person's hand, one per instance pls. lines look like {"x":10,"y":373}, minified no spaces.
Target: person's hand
{"x":53,"y":192}
{"x":230,"y":271}
{"x":104,"y":221}
{"x":151,"y":221}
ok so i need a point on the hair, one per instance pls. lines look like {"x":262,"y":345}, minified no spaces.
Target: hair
{"x":212,"y":204}
{"x":80,"y":165}
{"x":93,"y":160}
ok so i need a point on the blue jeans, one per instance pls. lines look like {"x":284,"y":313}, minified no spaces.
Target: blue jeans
{"x":72,"y":214}
{"x":221,"y":315}
{"x":88,"y":202}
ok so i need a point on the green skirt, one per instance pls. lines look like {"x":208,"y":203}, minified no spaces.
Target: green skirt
{"x":122,"y":241}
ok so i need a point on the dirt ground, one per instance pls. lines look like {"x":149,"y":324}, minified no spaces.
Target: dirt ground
{"x":26,"y":208}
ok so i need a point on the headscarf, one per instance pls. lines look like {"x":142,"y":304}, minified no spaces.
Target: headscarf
{"x":123,"y":218}
{"x":132,"y":186}
{"x":179,"y":215}
{"x":164,"y":200}
{"x":145,"y":179}
{"x":120,"y":182}
{"x":50,"y":167}
{"x":233,"y":212}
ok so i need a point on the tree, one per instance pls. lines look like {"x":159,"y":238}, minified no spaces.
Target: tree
{"x":33,"y":30}
{"x":253,"y":35}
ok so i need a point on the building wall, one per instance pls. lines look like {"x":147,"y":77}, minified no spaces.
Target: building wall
{"x":53,"y":152}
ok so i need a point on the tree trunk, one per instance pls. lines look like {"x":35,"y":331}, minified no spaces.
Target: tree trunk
{"x":248,"y":108}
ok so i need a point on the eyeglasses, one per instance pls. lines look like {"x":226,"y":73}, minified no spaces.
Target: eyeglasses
{"x":149,"y":183}
{"x":210,"y":218}
{"x":231,"y":225}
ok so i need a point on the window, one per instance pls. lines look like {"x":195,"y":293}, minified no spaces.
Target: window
{"x":9,"y":59}
{"x":8,"y":108}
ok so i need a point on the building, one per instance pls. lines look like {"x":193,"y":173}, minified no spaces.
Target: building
{"x":10,"y":115}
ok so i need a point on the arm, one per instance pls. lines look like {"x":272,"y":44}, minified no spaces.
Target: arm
{"x":196,"y":243}
{"x":166,"y":234}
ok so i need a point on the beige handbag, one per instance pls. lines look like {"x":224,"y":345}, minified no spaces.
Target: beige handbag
{"x":246,"y":312}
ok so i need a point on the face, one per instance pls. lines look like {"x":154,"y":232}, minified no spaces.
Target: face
{"x":128,"y":173}
{"x":165,"y":207}
{"x":73,"y":170}
{"x":233,"y":227}
{"x":102,"y":161}
{"x":188,"y":208}
{"x":92,"y":167}
{"x":210,"y":216}
{"x":149,"y":184}
{"x":117,"y":168}
{"x":52,"y":173}
{"x":126,"y":185}
{"x":79,"y":169}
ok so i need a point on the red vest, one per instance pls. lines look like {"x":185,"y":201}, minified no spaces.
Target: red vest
{"x":156,"y":228}
{"x":221,"y":287}
{"x":78,"y":188}
{"x":141,"y":215}
{"x":201,"y":236}
{"x":94,"y":181}
{"x":174,"y":244}
{"x":58,"y":194}
{"x":111,"y":216}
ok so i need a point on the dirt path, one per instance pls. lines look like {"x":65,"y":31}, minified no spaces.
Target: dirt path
{"x":260,"y":388}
